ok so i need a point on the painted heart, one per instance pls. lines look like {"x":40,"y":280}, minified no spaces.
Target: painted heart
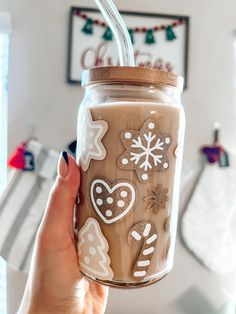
{"x":112,"y":202}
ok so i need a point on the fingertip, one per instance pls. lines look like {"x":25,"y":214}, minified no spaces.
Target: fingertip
{"x":68,"y":171}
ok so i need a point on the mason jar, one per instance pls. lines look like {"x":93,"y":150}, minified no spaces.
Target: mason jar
{"x":129,"y":149}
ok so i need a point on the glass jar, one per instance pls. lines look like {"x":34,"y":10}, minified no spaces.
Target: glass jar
{"x":130,"y":142}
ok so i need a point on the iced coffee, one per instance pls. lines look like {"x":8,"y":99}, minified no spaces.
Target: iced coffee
{"x":130,"y":138}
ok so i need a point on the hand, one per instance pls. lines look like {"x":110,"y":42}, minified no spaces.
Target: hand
{"x":55,"y":284}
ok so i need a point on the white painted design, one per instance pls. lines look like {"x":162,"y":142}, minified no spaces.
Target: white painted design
{"x":167,"y":140}
{"x":140,"y":273}
{"x":99,"y":201}
{"x":128,"y":135}
{"x":151,"y":125}
{"x":145,"y":176}
{"x":90,"y":237}
{"x":125,"y":161}
{"x":120,"y":203}
{"x":110,"y":191}
{"x":143,"y":263}
{"x":98,"y":189}
{"x":177,"y":151}
{"x":148,"y":149}
{"x":109,"y":213}
{"x":101,"y":261}
{"x":147,"y":230}
{"x":92,"y":250}
{"x":109,"y":200}
{"x":123,"y":194}
{"x":91,"y":147}
{"x":148,"y":251}
{"x":151,"y":239}
{"x":165,"y":165}
{"x":136,"y":235}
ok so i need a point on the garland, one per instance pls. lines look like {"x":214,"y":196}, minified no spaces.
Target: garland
{"x":149,"y":32}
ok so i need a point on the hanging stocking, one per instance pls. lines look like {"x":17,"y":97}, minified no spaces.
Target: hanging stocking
{"x":207,"y":223}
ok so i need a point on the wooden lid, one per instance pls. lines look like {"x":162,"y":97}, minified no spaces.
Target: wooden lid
{"x":135,"y":75}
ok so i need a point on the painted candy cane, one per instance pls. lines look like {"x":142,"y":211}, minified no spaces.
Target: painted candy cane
{"x":144,"y":233}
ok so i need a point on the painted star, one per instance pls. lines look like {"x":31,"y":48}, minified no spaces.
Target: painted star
{"x":91,"y":146}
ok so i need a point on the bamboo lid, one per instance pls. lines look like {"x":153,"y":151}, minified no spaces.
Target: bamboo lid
{"x":135,"y":75}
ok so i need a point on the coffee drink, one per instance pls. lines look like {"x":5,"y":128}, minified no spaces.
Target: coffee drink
{"x":129,"y":152}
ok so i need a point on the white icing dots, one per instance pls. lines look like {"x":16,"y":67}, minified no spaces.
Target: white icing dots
{"x":98,"y":189}
{"x":151,"y":125}
{"x":108,"y":213}
{"x":90,"y":146}
{"x":165,"y":165}
{"x":144,"y":176}
{"x":167,"y":140}
{"x":123,"y":194}
{"x":128,"y":135}
{"x":124,"y":161}
{"x":99,"y":201}
{"x":91,"y":134}
{"x":90,"y":237}
{"x":120,"y":203}
{"x":109,"y":200}
{"x":92,"y":250}
{"x":86,"y":260}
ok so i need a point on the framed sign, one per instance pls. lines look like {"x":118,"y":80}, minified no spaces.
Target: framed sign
{"x":159,"y":41}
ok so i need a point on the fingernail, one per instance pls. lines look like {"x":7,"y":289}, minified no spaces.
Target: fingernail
{"x":62,"y":168}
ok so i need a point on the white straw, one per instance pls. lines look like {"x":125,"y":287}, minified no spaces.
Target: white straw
{"x":117,"y":25}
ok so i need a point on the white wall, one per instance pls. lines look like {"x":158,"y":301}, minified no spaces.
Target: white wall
{"x":38,"y":94}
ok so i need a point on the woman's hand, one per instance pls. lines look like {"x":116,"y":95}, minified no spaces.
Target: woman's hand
{"x":55,"y":284}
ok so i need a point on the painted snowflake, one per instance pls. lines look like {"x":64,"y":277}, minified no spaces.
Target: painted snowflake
{"x":90,"y":141}
{"x":146,"y":150}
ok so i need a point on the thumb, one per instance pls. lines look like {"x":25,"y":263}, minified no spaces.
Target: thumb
{"x":58,"y":217}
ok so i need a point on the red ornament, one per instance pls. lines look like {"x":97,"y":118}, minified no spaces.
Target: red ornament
{"x":17,"y":160}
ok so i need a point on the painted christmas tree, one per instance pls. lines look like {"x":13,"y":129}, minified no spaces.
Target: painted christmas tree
{"x":92,"y":249}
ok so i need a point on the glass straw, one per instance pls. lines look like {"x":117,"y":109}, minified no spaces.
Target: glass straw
{"x":119,"y":29}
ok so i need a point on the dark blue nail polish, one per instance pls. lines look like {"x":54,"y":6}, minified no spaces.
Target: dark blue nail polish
{"x":65,"y":156}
